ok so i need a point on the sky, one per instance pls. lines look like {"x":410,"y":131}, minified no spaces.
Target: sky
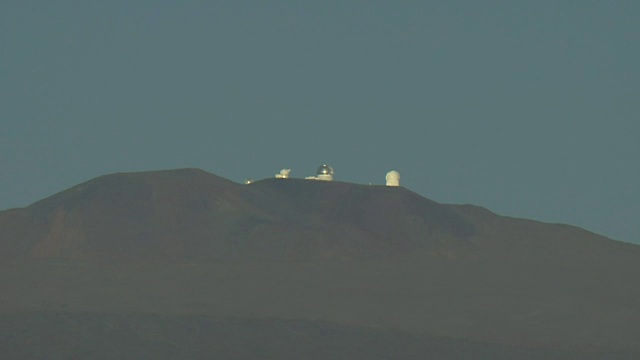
{"x":528,"y":108}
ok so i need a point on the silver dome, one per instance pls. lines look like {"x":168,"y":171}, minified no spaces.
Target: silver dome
{"x":325,"y":170}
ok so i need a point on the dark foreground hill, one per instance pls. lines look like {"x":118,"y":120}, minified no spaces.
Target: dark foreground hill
{"x":185,"y":264}
{"x":188,"y":337}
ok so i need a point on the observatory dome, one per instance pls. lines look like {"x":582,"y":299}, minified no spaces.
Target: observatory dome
{"x":325,"y":172}
{"x":283,"y":174}
{"x":393,"y":178}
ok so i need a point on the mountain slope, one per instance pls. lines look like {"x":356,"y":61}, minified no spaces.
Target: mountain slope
{"x":190,"y":214}
{"x":160,"y":255}
{"x":187,"y":337}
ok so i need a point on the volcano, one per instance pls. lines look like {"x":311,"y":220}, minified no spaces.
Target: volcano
{"x":186,"y":264}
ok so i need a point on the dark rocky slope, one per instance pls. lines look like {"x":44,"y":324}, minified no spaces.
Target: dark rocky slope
{"x":302,"y":269}
{"x":190,"y":214}
{"x":67,"y":336}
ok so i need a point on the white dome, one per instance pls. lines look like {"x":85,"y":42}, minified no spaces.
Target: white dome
{"x":393,"y":178}
{"x":283,"y":174}
{"x":325,"y":170}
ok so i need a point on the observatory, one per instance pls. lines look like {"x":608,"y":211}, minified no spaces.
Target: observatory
{"x":393,"y":178}
{"x":325,"y":172}
{"x":283,"y":174}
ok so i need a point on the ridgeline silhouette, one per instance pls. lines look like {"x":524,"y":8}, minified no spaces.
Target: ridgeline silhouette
{"x":284,"y":267}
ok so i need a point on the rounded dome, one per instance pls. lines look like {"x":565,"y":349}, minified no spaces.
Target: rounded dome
{"x":393,"y":175}
{"x":325,"y":170}
{"x":393,"y":178}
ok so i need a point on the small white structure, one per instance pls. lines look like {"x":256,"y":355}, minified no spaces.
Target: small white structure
{"x":248,"y":181}
{"x":284,"y":174}
{"x":393,"y":178}
{"x":325,"y":172}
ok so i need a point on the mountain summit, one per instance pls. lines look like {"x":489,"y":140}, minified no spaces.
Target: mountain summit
{"x":191,"y":214}
{"x":185,"y":264}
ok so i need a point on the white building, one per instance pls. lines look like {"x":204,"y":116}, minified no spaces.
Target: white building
{"x":393,"y":178}
{"x":283,"y":174}
{"x":325,"y":172}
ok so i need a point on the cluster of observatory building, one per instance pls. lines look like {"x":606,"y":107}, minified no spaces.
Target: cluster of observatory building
{"x":325,"y":173}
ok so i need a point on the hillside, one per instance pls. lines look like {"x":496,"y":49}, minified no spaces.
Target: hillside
{"x":190,"y":214}
{"x":177,"y":258}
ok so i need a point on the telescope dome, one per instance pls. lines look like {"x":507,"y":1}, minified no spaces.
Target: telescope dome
{"x":325,"y":170}
{"x":393,"y":178}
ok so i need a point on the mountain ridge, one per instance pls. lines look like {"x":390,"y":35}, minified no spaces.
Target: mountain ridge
{"x":169,"y":244}
{"x":189,"y":213}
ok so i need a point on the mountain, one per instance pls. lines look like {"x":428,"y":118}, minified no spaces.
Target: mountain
{"x":191,"y":214}
{"x":287,"y":267}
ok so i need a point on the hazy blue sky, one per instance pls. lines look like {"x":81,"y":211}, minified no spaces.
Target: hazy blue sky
{"x":529,"y":108}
